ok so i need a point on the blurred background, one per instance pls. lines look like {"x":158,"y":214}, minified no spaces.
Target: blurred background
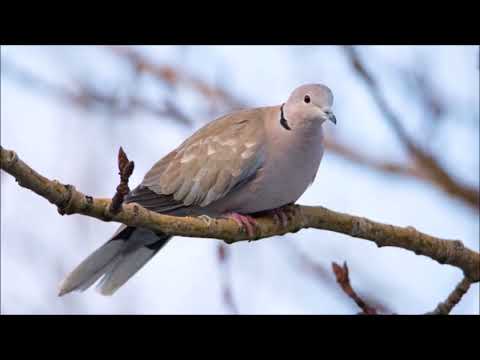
{"x":405,"y":151}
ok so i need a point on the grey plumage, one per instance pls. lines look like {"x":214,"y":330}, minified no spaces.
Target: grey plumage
{"x":244,"y":162}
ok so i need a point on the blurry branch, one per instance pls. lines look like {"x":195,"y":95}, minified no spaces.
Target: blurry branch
{"x":89,"y":98}
{"x":342,"y":275}
{"x":222,"y":256}
{"x":306,"y":263}
{"x":435,"y":173}
{"x":429,"y":97}
{"x":70,"y":201}
{"x":172,"y":76}
{"x":323,"y":275}
{"x":383,"y":166}
{"x":343,"y":279}
{"x":453,"y":299}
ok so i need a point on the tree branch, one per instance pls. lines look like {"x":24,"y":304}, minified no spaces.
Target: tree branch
{"x":436,"y":173}
{"x":389,"y":167}
{"x":343,"y":279}
{"x":172,"y":76}
{"x":222,"y":256}
{"x":453,"y":299}
{"x":70,"y":201}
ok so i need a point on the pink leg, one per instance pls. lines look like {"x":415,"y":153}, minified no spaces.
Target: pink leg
{"x":245,"y":221}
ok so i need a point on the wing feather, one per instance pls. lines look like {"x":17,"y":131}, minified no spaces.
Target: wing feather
{"x":219,"y":157}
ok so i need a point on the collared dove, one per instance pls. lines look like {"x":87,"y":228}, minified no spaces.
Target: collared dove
{"x":245,"y":162}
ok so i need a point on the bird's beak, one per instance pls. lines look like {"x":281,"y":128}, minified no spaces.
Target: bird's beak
{"x":331,"y":117}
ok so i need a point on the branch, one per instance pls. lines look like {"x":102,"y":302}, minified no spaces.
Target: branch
{"x":322,"y":275}
{"x":172,"y":76}
{"x":70,"y":201}
{"x":356,"y":157}
{"x":453,"y":299}
{"x":89,"y":98}
{"x":343,"y":279}
{"x":222,"y":256}
{"x":436,"y":173}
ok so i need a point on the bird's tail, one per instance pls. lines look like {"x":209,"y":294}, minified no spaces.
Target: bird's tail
{"x":116,"y":261}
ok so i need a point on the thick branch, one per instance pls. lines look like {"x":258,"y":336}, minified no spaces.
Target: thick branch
{"x":71,"y":201}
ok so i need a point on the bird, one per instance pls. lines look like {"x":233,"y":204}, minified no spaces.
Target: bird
{"x":244,"y":163}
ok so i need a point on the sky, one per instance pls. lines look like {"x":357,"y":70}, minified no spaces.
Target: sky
{"x":39,"y":247}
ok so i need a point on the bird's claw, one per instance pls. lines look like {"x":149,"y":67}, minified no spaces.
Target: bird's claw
{"x":247,"y":222}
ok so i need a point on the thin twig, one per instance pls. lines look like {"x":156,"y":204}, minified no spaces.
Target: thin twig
{"x":125,"y":168}
{"x":343,"y":279}
{"x":444,"y":308}
{"x":356,"y":157}
{"x":323,"y":275}
{"x":89,"y":98}
{"x":222,"y":256}
{"x":172,"y":76}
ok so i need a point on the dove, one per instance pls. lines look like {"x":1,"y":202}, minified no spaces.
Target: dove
{"x":246,"y":162}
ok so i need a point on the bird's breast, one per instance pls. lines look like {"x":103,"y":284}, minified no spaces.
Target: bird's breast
{"x":289,"y":168}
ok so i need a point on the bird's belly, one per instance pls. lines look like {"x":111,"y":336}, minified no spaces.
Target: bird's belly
{"x":279,"y":183}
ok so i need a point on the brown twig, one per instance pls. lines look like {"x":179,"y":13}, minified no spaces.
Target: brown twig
{"x":343,"y":279}
{"x":222,"y":256}
{"x":125,"y":168}
{"x":357,"y":157}
{"x":321,"y":274}
{"x":444,"y":308}
{"x":435,"y":172}
{"x":89,"y":98}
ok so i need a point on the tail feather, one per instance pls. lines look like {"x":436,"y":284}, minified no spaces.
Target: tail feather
{"x":123,"y":269}
{"x":92,"y":268}
{"x":117,"y":261}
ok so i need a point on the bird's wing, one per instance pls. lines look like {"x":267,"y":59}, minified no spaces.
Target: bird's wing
{"x":219,"y":157}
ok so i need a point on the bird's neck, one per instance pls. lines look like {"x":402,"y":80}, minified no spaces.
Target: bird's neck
{"x":306,"y":138}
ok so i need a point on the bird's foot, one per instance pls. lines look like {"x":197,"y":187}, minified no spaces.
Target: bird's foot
{"x":245,"y":221}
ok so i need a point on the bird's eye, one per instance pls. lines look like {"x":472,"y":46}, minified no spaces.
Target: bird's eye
{"x":306,"y":99}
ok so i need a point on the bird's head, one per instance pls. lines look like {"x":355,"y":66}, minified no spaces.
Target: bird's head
{"x":308,"y":104}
